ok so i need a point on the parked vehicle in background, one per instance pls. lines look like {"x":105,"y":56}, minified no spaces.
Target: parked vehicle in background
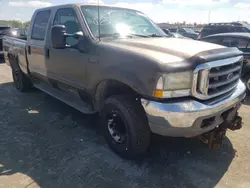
{"x":181,"y":32}
{"x":2,"y":32}
{"x":173,"y":30}
{"x":215,"y":28}
{"x":188,"y":32}
{"x":171,"y":34}
{"x":16,"y":32}
{"x":239,"y":40}
{"x":20,"y":33}
{"x":123,"y":67}
{"x":178,"y":35}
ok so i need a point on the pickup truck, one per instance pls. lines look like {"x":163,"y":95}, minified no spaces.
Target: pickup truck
{"x":118,"y":63}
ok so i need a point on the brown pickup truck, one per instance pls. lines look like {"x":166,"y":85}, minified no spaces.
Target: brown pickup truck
{"x":117,"y":62}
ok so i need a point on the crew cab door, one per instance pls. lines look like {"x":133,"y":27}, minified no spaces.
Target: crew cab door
{"x":36,"y":44}
{"x":67,"y":66}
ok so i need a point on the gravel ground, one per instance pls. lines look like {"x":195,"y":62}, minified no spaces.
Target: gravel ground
{"x":45,"y":143}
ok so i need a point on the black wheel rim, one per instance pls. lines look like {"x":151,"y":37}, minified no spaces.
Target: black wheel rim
{"x":17,"y":80}
{"x":116,"y":127}
{"x":248,"y":84}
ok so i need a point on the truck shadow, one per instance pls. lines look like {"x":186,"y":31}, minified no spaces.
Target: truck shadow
{"x":47,"y":143}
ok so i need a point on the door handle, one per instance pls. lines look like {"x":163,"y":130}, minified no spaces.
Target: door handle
{"x":29,"y":50}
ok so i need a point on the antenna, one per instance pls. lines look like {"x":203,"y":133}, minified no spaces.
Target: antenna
{"x":99,"y":29}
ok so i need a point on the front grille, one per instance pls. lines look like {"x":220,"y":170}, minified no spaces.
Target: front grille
{"x":216,"y":78}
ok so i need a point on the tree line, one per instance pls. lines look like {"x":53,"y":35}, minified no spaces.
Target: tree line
{"x":14,"y":23}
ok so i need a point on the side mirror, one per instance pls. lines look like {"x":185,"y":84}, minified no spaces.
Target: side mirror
{"x":58,"y":36}
{"x":76,"y":35}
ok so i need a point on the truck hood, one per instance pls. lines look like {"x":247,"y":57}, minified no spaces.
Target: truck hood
{"x":169,"y":50}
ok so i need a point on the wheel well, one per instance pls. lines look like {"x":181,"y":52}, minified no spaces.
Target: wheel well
{"x":108,"y":88}
{"x":13,"y":61}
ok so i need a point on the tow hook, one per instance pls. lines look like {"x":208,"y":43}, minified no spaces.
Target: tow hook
{"x":213,"y":139}
{"x":236,"y":124}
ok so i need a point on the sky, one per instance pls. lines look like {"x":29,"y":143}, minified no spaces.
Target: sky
{"x":171,"y":11}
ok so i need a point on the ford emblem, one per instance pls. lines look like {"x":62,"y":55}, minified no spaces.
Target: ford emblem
{"x":230,"y":76}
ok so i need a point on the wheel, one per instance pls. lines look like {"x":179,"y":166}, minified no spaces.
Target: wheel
{"x":125,"y":126}
{"x":21,"y":82}
{"x":247,"y":82}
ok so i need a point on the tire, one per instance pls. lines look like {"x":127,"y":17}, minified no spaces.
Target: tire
{"x":21,"y":81}
{"x":130,"y":119}
{"x":247,"y":82}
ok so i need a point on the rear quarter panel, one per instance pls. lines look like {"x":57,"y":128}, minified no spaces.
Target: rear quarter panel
{"x":16,"y":48}
{"x":7,"y":47}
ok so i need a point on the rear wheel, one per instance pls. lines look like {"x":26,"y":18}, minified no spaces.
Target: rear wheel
{"x":125,"y":126}
{"x":21,"y":82}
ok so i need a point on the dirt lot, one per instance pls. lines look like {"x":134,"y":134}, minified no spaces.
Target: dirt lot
{"x":45,"y":143}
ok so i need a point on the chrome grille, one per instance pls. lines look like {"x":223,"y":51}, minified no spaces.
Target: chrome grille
{"x":216,"y":78}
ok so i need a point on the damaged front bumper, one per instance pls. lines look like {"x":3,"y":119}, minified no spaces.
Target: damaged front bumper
{"x":191,"y":118}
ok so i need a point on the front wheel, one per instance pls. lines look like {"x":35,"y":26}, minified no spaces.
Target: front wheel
{"x":125,"y":126}
{"x":247,"y":82}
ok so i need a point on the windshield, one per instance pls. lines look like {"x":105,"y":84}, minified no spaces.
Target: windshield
{"x":119,"y":21}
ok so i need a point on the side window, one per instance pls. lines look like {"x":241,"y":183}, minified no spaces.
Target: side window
{"x":241,"y":29}
{"x":40,"y":25}
{"x":68,"y":18}
{"x":224,"y":29}
{"x":215,"y":40}
{"x":235,"y":42}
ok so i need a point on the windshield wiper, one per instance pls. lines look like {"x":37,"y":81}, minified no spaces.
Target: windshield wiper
{"x":155,"y":35}
{"x":137,"y":35}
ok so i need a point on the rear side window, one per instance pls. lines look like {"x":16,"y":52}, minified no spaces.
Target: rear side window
{"x":40,"y":25}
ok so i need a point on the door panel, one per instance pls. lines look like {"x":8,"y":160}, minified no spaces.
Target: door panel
{"x":67,"y":65}
{"x":36,"y":45}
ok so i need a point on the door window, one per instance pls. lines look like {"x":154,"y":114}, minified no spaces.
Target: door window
{"x":40,"y":25}
{"x":216,"y":40}
{"x":241,"y":29}
{"x":235,"y":42}
{"x":68,"y":18}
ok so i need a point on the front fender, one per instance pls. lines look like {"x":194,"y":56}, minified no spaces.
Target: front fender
{"x":127,"y":77}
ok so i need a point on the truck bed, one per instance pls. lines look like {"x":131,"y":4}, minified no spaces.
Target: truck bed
{"x":14,"y":47}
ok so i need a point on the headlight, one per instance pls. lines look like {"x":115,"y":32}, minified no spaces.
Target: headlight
{"x":174,"y":85}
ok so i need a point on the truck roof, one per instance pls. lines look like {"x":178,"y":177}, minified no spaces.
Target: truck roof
{"x":82,"y":4}
{"x":235,"y":34}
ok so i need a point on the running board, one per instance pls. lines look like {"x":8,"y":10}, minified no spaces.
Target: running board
{"x":66,"y":98}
